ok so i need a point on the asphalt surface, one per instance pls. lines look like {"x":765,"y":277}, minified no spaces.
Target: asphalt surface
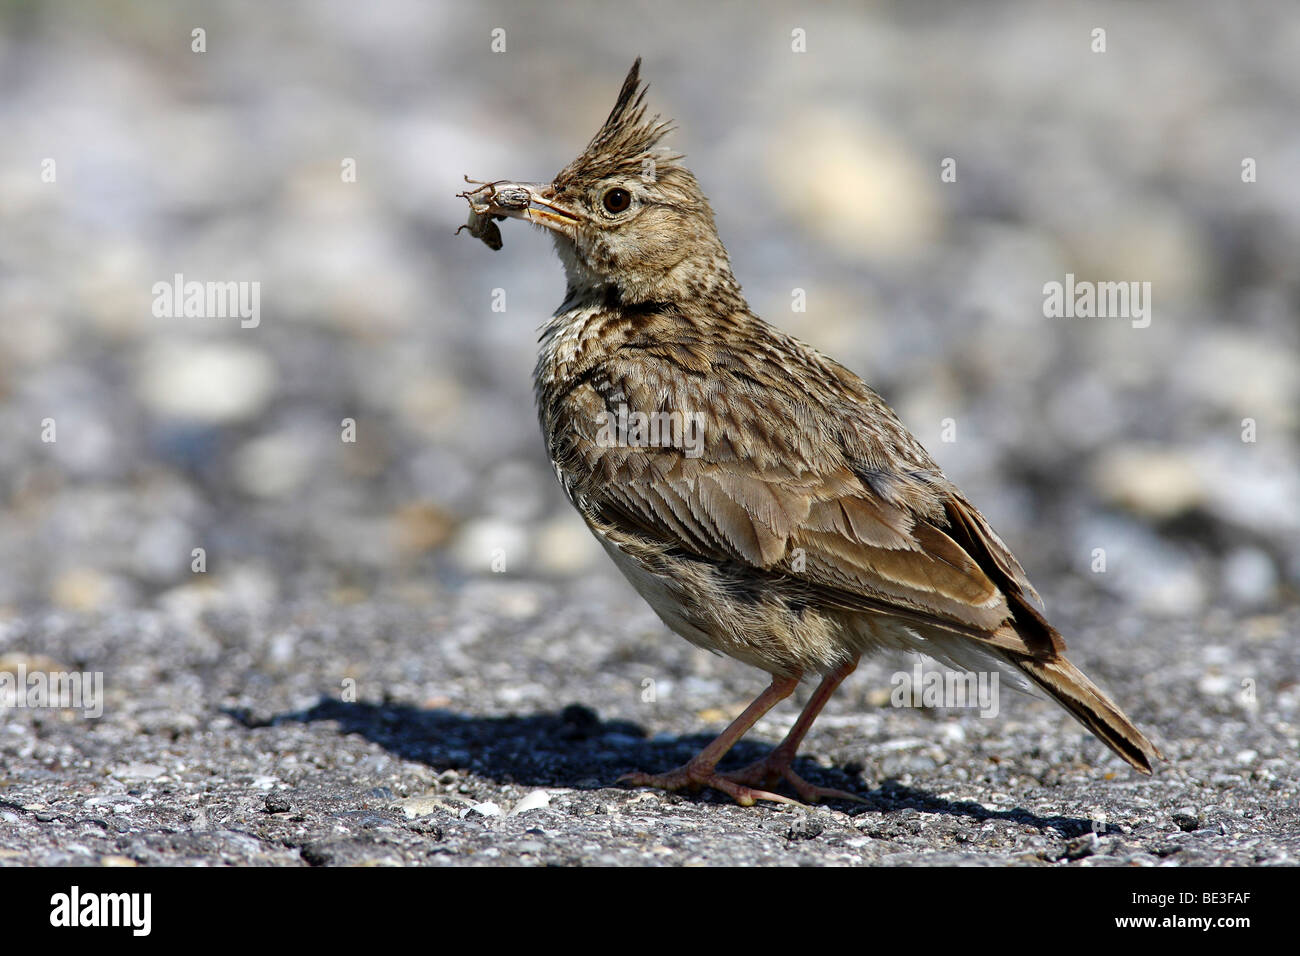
{"x":488,"y":727}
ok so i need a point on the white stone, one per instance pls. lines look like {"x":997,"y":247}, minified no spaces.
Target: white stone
{"x":1250,"y":575}
{"x":536,"y":800}
{"x":207,"y":381}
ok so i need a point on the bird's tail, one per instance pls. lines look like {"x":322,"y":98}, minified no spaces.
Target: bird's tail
{"x":1090,"y":705}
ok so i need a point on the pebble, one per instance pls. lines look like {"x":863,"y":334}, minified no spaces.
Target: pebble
{"x":491,"y":545}
{"x":894,"y":208}
{"x":414,"y":807}
{"x":208,"y":382}
{"x":1149,"y":572}
{"x":1081,"y":846}
{"x":82,"y":589}
{"x":1187,"y":819}
{"x":274,"y":465}
{"x":1216,"y":684}
{"x":564,"y":546}
{"x":1155,"y":482}
{"x":805,"y":827}
{"x":139,"y":771}
{"x":536,"y":800}
{"x":278,"y":803}
{"x":952,"y":732}
{"x":1250,"y":576}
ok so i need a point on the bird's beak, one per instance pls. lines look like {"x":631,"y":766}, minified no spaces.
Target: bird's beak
{"x":531,"y":202}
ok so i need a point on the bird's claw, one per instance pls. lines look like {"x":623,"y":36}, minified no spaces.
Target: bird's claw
{"x":693,"y":778}
{"x":776,"y":767}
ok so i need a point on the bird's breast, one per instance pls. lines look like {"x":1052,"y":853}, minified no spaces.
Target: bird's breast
{"x":572,"y":391}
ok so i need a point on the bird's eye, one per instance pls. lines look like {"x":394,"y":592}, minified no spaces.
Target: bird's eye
{"x":617,"y":200}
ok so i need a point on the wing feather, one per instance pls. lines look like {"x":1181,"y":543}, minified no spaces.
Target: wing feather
{"x":900,"y":542}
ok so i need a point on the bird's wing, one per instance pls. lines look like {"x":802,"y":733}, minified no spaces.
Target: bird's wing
{"x":804,"y":492}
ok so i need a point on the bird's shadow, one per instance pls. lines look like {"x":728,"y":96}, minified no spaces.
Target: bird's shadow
{"x":574,"y":748}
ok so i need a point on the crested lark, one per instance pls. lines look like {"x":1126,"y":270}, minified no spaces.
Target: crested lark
{"x":762,"y":498}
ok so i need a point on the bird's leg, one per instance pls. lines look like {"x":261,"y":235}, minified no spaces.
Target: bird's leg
{"x":776,"y":765}
{"x":701,"y":770}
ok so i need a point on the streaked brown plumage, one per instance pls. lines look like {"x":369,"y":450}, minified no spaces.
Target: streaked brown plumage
{"x":811,"y":527}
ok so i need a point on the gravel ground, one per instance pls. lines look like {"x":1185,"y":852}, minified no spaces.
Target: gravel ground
{"x":308,"y":654}
{"x":489,"y":730}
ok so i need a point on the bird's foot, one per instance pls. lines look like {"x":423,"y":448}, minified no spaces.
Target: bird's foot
{"x":694,"y":776}
{"x":774,"y":768}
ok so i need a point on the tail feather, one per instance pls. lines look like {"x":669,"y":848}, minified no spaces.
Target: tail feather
{"x":1069,"y":687}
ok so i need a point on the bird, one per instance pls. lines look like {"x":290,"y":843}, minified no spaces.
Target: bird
{"x":765,"y":501}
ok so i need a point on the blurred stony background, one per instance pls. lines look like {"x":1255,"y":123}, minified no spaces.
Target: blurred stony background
{"x":823,"y":168}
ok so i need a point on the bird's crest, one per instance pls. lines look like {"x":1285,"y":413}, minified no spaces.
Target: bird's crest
{"x":627,"y":143}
